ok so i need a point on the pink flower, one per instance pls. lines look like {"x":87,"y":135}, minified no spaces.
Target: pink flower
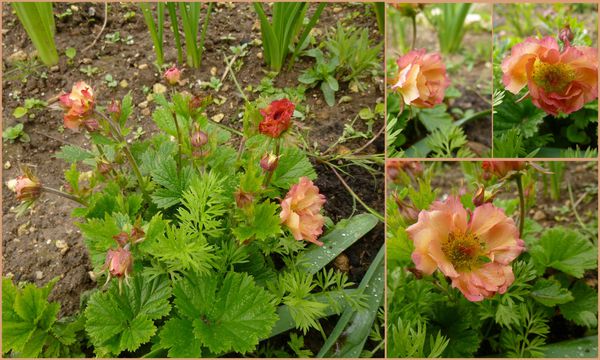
{"x":172,"y":75}
{"x":474,"y":250}
{"x":119,"y":262}
{"x":301,"y":211}
{"x":79,"y":106}
{"x":557,"y":81}
{"x":27,"y":187}
{"x":276,"y":118}
{"x":421,"y":79}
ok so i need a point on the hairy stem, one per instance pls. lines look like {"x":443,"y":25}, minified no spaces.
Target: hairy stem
{"x":179,"y":149}
{"x":414,"y":32}
{"x":64,"y":194}
{"x":519,"y":181}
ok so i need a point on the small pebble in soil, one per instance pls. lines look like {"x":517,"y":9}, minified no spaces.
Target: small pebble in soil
{"x":143,"y":66}
{"x":16,"y":56}
{"x":22,"y":229}
{"x":143,"y":104}
{"x":217,"y":118}
{"x":62,"y":246}
{"x":39,"y":275}
{"x":7,"y":165}
{"x":86,"y":61}
{"x":159,"y":88}
{"x":54,"y":68}
{"x":342,"y":263}
{"x":124,"y":84}
{"x":539,"y":215}
{"x":213,"y":71}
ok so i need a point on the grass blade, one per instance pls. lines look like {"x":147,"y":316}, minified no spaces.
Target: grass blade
{"x":38,"y":21}
{"x":203,"y":34}
{"x":175,"y":26}
{"x":154,"y":34}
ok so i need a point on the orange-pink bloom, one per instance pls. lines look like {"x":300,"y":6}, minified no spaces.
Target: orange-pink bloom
{"x":421,"y":79}
{"x":27,"y":187}
{"x":301,"y":211}
{"x":558,"y":81}
{"x":474,"y":250}
{"x":79,"y":107}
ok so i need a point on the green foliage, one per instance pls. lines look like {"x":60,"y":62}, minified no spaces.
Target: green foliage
{"x":29,"y":324}
{"x":122,"y":318}
{"x":322,"y":73}
{"x":583,"y":310}
{"x":407,"y":341}
{"x":550,"y":293}
{"x":206,"y":301}
{"x":450,"y":25}
{"x":38,"y":21}
{"x":13,"y":133}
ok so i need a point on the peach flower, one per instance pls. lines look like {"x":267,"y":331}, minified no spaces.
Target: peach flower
{"x":557,"y":81}
{"x":79,"y":106}
{"x":301,"y":211}
{"x":421,"y":79}
{"x":474,"y":250}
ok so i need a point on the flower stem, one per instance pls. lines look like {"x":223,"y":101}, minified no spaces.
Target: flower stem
{"x":414,"y":32}
{"x":64,"y":194}
{"x":519,"y":181}
{"x":179,"y":149}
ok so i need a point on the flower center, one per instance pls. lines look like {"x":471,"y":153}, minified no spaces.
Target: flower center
{"x":552,"y":77}
{"x":463,"y":250}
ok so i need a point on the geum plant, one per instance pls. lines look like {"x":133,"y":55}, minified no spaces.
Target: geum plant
{"x":466,"y":280}
{"x":203,"y":249}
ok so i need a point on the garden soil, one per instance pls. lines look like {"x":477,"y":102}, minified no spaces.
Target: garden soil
{"x":45,"y":244}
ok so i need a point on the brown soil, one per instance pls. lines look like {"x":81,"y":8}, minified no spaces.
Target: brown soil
{"x":30,"y":241}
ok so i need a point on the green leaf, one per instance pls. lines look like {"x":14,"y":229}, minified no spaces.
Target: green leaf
{"x":72,"y":153}
{"x":521,"y":115}
{"x":19,"y":112}
{"x":583,"y":310}
{"x":565,"y":250}
{"x":230,"y":314}
{"x":178,"y":337}
{"x":14,"y":132}
{"x":586,"y":347}
{"x":118,"y":321}
{"x":548,"y":292}
{"x":98,"y":237}
{"x":346,"y":233}
{"x":435,"y":118}
{"x":174,"y":183}
{"x":293,"y":165}
{"x":263,"y":223}
{"x":70,"y":52}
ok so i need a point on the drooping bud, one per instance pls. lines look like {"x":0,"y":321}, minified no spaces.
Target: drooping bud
{"x":114,"y":109}
{"x":407,"y":209}
{"x":104,"y":167}
{"x":566,"y":35}
{"x":91,"y":125}
{"x":269,"y":162}
{"x":137,"y":233}
{"x":242,"y":198}
{"x":479,"y":197}
{"x":27,"y":187}
{"x":199,"y":138}
{"x":501,"y":169}
{"x":119,"y":262}
{"x":121,"y":238}
{"x":172,"y":75}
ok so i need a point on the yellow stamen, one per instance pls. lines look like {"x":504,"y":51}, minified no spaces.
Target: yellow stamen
{"x":552,"y":77}
{"x":463,"y":250}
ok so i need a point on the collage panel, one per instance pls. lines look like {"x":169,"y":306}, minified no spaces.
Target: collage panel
{"x":492,"y":259}
{"x":546,"y":80}
{"x":193,"y":180}
{"x":439,"y":80}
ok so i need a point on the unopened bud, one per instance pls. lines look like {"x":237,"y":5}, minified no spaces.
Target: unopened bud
{"x":479,"y":197}
{"x":566,"y":35}
{"x":199,"y":138}
{"x":27,"y":187}
{"x":104,"y":167}
{"x":121,"y":238}
{"x":119,"y":262}
{"x":91,"y":125}
{"x":243,"y":199}
{"x":269,"y":162}
{"x":114,"y":109}
{"x":172,"y":75}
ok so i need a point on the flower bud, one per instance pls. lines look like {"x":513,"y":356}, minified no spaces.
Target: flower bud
{"x":172,"y":75}
{"x":566,"y":35}
{"x":137,"y":233}
{"x":104,"y":167}
{"x":199,"y":138}
{"x":479,"y":197}
{"x":119,"y":262}
{"x":407,"y":210}
{"x":121,"y":238}
{"x":114,"y":109}
{"x":91,"y":125}
{"x":27,"y":187}
{"x":502,"y":169}
{"x":269,"y":162}
{"x":242,"y":198}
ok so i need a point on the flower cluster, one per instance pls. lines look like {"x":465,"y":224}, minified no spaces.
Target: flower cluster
{"x":421,"y":79}
{"x":474,"y":250}
{"x":558,"y":81}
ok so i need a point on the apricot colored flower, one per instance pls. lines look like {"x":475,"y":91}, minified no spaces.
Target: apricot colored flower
{"x":27,"y":187}
{"x":502,"y":168}
{"x":276,"y":118}
{"x":172,"y":75}
{"x":558,"y":82}
{"x":119,"y":262}
{"x":474,"y":250}
{"x":79,"y":106}
{"x":421,"y":79}
{"x":300,"y":211}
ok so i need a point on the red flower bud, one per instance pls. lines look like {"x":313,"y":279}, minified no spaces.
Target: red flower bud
{"x":91,"y":125}
{"x":27,"y":187}
{"x":172,"y":75}
{"x":104,"y":167}
{"x":276,"y":118}
{"x":502,"y":168}
{"x":137,"y":233}
{"x":114,"y":109}
{"x":269,"y":162}
{"x":479,"y":197}
{"x":242,"y":198}
{"x":199,"y":138}
{"x":121,"y":238}
{"x":566,"y":35}
{"x":119,"y":262}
